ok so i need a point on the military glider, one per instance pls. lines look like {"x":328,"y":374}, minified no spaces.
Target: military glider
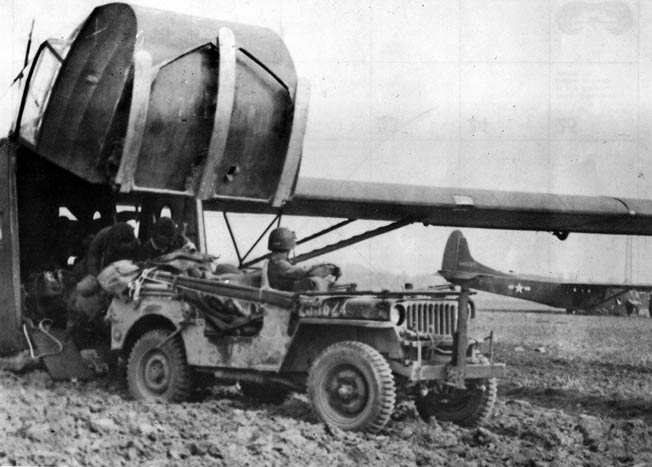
{"x":459,"y":267}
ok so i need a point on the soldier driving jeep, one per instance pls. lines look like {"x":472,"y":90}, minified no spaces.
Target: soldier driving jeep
{"x":284,"y":275}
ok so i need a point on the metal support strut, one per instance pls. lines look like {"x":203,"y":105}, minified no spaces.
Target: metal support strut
{"x":336,"y":246}
{"x":351,"y":241}
{"x":457,"y":370}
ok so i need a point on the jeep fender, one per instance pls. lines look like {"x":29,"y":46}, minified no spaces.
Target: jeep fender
{"x":129,"y":320}
{"x":314,"y":335}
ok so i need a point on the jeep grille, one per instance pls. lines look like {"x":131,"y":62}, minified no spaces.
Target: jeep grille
{"x":432,"y":317}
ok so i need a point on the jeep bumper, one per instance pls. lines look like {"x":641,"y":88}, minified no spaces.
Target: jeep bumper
{"x":442,"y":372}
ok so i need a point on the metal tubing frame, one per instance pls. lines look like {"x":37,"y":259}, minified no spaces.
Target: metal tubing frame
{"x":462,"y":338}
{"x":260,"y":237}
{"x":235,"y":244}
{"x":335,"y":246}
{"x":353,"y":240}
{"x":223,"y":110}
{"x":201,"y":226}
{"x":325,"y":231}
{"x":295,"y":145}
{"x":143,"y":75}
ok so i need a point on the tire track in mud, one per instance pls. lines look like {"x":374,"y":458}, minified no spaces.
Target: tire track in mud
{"x":614,"y":390}
{"x":579,"y":404}
{"x":95,"y":423}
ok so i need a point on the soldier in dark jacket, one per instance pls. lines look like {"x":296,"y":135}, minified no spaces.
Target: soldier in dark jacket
{"x":111,"y":244}
{"x":86,"y":301}
{"x":166,"y":237}
{"x":284,"y":275}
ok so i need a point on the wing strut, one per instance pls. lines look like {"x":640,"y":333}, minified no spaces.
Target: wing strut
{"x":325,"y":231}
{"x":319,"y":251}
{"x":336,"y":246}
{"x":277,"y":220}
{"x":353,"y":240}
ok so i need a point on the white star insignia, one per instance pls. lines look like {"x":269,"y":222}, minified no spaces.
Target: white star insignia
{"x":519,"y":288}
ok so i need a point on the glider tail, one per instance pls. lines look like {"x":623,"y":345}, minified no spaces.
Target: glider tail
{"x":458,"y":263}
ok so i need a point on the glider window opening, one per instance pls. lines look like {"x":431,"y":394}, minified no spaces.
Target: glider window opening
{"x":166,"y":211}
{"x":38,"y":88}
{"x":65,"y":212}
{"x":130,"y":214}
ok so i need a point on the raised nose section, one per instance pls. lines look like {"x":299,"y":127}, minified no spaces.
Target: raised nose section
{"x":156,"y":101}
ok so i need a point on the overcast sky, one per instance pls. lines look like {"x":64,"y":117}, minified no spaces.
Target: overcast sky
{"x":543,"y":95}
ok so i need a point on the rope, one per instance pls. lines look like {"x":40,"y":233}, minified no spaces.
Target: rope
{"x":136,"y":285}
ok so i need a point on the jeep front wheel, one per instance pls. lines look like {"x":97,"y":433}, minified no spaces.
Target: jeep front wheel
{"x":466,"y":407}
{"x":157,"y":369}
{"x":351,"y":387}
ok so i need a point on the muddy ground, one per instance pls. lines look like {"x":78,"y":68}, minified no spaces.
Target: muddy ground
{"x":578,"y":392}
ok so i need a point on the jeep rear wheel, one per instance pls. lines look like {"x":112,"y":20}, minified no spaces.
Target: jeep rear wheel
{"x":159,"y":372}
{"x":351,"y":387}
{"x":466,"y":407}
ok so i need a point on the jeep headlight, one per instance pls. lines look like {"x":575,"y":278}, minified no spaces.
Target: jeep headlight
{"x":397,"y":314}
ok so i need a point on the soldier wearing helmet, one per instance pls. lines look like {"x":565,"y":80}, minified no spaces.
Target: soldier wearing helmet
{"x":284,"y":275}
{"x":166,"y":237}
{"x":111,"y":244}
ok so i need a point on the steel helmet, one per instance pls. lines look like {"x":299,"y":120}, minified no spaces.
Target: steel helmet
{"x":281,"y":239}
{"x":165,"y":227}
{"x":164,"y":233}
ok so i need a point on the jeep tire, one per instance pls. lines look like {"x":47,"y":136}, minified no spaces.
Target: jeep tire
{"x":470,"y":407}
{"x":351,"y":387}
{"x":158,"y":372}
